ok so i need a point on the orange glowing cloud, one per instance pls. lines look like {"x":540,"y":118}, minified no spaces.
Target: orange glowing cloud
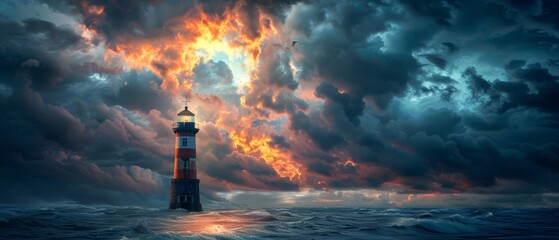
{"x":259,"y":146}
{"x":91,"y":9}
{"x":195,"y":37}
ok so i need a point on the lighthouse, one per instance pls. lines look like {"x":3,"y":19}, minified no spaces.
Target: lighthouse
{"x":185,"y":187}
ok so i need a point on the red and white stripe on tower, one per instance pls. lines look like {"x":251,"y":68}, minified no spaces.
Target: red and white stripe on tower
{"x":185,"y":155}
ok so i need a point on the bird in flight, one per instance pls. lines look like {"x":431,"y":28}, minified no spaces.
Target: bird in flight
{"x":284,"y":46}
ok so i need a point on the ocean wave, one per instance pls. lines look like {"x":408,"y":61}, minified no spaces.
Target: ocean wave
{"x":141,"y":228}
{"x":436,"y":226}
{"x":425,"y":215}
{"x":105,"y":222}
{"x":285,"y":214}
{"x":453,"y":223}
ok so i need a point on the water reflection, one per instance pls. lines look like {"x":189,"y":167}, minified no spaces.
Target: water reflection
{"x":219,"y":223}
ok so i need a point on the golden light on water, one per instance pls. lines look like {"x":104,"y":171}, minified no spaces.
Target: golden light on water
{"x":217,"y":223}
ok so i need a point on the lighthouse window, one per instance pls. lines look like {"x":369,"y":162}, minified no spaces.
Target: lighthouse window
{"x":184,"y":141}
{"x":186,"y":119}
{"x":181,"y":198}
{"x":188,"y":198}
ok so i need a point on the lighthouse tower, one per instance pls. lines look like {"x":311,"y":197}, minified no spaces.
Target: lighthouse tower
{"x":185,"y":189}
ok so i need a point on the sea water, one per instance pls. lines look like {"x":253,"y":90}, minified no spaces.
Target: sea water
{"x":94,"y":222}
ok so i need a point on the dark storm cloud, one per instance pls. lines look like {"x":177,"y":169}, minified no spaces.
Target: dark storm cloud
{"x":476,"y":83}
{"x":433,"y":148}
{"x":432,"y":121}
{"x":481,"y":89}
{"x":435,"y":60}
{"x":352,"y":106}
{"x":56,"y":123}
{"x":35,"y":44}
{"x":126,"y":20}
{"x":280,"y":141}
{"x":41,"y":141}
{"x":22,"y":68}
{"x":441,"y":79}
{"x":438,"y":10}
{"x":531,"y":72}
{"x":51,"y":129}
{"x":140,"y":91}
{"x":274,"y":84}
{"x":70,"y":179}
{"x":545,"y":156}
{"x":56,"y":38}
{"x":248,"y":172}
{"x":545,"y":13}
{"x":341,"y":49}
{"x":528,"y":85}
{"x":487,"y":122}
{"x":451,"y":47}
{"x":309,"y":125}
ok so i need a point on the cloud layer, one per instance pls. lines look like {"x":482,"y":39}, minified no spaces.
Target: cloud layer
{"x":367,"y":102}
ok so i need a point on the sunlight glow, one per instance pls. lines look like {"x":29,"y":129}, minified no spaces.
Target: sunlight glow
{"x":215,"y":223}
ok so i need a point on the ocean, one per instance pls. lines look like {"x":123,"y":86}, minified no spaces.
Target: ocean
{"x":94,"y":222}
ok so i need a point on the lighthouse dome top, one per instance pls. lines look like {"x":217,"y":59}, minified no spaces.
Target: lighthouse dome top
{"x":185,"y":112}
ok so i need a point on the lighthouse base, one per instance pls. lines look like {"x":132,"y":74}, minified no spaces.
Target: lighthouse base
{"x":185,"y":194}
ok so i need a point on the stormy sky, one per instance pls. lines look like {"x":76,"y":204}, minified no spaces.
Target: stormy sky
{"x":299,"y":103}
